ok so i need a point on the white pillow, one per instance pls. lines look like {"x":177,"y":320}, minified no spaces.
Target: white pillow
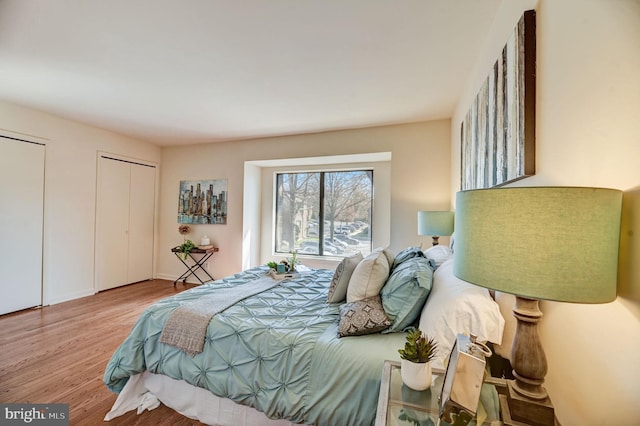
{"x":438,"y":254}
{"x":368,"y":277}
{"x":457,"y":307}
{"x":391,"y":257}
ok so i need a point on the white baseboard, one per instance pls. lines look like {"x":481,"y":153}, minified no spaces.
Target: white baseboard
{"x":173,"y":278}
{"x":166,"y":277}
{"x":67,"y":297}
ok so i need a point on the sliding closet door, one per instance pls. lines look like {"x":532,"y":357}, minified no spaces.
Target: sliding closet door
{"x":21,"y":224}
{"x":125,"y":211}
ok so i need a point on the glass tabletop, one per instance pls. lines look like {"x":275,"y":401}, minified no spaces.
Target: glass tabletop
{"x":400,"y":405}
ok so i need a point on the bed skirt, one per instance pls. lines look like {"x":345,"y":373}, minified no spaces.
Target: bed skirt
{"x":146,"y":391}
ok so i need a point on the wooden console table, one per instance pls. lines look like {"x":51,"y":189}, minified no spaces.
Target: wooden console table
{"x":198,"y":263}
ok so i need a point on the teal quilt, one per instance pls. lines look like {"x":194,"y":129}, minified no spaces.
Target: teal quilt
{"x":277,"y":351}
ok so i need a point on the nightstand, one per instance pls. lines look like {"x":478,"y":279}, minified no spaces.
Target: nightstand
{"x":399,"y":405}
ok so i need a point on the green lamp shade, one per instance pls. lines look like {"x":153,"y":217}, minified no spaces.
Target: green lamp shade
{"x":435,"y":223}
{"x":553,"y":243}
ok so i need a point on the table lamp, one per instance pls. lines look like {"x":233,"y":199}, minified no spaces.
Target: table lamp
{"x":436,"y":224}
{"x":552,"y":243}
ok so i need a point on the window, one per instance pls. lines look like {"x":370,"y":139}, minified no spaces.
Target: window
{"x":324,"y":213}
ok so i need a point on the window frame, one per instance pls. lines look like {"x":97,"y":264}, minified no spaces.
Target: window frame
{"x":322,"y":171}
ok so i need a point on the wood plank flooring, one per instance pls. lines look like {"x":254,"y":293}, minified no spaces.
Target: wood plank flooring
{"x":58,"y":354}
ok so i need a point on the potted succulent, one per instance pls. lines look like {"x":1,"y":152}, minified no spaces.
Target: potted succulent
{"x":415,"y":367}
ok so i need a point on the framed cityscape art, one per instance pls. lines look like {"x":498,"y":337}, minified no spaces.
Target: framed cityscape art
{"x":203,"y":202}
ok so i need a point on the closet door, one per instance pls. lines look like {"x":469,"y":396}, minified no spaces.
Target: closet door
{"x":141,"y":215}
{"x":125,"y":212}
{"x":112,"y":227}
{"x":21,"y":224}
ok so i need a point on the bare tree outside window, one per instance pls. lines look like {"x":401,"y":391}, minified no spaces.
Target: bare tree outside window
{"x":324,"y":213}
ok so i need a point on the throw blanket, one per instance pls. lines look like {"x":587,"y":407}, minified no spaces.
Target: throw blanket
{"x":186,"y":328}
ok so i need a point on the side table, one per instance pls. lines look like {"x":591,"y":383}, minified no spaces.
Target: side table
{"x":399,"y":405}
{"x":198,"y":263}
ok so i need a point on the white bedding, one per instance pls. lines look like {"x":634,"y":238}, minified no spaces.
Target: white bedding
{"x":147,"y":390}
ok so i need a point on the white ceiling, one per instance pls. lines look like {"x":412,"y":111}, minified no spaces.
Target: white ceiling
{"x":192,"y":71}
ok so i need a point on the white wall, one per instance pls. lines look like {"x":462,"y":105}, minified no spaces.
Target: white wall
{"x":70,"y":192}
{"x":419,"y":180}
{"x":587,"y":134}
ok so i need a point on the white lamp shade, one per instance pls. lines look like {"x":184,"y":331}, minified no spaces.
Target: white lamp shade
{"x":554,"y":243}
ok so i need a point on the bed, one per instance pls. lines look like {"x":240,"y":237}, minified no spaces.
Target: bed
{"x":305,"y":350}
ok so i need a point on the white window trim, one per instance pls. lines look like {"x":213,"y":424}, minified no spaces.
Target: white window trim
{"x":259,"y":202}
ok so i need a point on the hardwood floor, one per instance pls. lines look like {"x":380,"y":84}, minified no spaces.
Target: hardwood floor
{"x":57,"y":354}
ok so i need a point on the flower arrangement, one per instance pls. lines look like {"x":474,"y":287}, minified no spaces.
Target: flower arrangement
{"x":187,"y":245}
{"x":184,"y":230}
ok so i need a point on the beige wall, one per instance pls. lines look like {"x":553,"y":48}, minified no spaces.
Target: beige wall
{"x":588,"y":134}
{"x":70,"y":193}
{"x":419,"y":179}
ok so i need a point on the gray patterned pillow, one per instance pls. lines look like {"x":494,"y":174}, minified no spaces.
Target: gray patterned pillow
{"x":364,"y":316}
{"x":340,"y":281}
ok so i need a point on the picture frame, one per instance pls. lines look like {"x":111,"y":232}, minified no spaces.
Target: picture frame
{"x":498,"y":132}
{"x":203,"y":202}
